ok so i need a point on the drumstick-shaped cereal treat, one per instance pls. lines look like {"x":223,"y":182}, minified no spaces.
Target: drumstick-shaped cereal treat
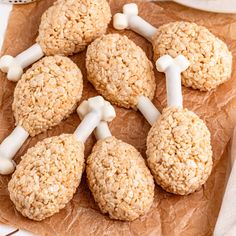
{"x":50,"y":172}
{"x":122,"y":73}
{"x":209,"y":57}
{"x":66,"y":28}
{"x":179,"y":151}
{"x":46,"y":94}
{"x":118,"y":177}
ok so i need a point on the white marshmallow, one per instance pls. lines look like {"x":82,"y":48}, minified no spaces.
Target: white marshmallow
{"x":109,"y":112}
{"x":102,"y":131}
{"x":5,"y":62}
{"x":148,"y":110}
{"x":120,"y":21}
{"x":173,"y":68}
{"x":6,"y":166}
{"x":14,"y":66}
{"x":83,"y":109}
{"x":130,"y":19}
{"x":182,"y":62}
{"x":15,"y":73}
{"x":96,"y":103}
{"x":130,"y":9}
{"x":92,"y":112}
{"x":9,"y":147}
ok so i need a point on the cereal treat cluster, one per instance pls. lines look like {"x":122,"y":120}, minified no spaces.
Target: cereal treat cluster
{"x":179,"y":151}
{"x":47,"y":93}
{"x":120,"y":70}
{"x":47,"y":176}
{"x":119,"y":180}
{"x":70,"y":25}
{"x":210,"y":59}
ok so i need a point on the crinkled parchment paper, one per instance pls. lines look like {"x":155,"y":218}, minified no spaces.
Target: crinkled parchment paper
{"x":170,"y":215}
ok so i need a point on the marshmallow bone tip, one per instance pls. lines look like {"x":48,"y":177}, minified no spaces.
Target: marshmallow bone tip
{"x":97,"y":103}
{"x":9,"y":65}
{"x":130,"y":9}
{"x":6,"y":166}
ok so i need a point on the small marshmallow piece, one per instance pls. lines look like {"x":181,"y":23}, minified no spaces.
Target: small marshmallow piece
{"x":9,"y":65}
{"x":130,"y":9}
{"x":120,"y":21}
{"x":9,"y":147}
{"x":148,"y":110}
{"x":83,"y":109}
{"x":92,"y":112}
{"x":15,"y":73}
{"x":102,"y":131}
{"x":14,"y":66}
{"x":6,"y":166}
{"x":130,"y":19}
{"x":173,"y":67}
{"x":109,"y":112}
{"x":182,"y":62}
{"x":5,"y":62}
{"x":165,"y":61}
{"x":96,"y":103}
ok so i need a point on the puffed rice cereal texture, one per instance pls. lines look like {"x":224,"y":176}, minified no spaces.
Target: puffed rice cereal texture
{"x":210,"y":58}
{"x":119,"y":180}
{"x":120,"y":70}
{"x":47,"y":93}
{"x":179,"y":151}
{"x":69,"y":26}
{"x":47,"y":176}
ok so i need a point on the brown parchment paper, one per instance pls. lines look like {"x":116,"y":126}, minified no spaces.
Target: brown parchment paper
{"x":170,"y":215}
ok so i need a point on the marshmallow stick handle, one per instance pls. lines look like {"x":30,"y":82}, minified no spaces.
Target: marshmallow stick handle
{"x":148,"y":110}
{"x":87,"y":125}
{"x":102,"y":131}
{"x":173,"y":87}
{"x":10,"y":145}
{"x":141,"y":27}
{"x":30,"y":55}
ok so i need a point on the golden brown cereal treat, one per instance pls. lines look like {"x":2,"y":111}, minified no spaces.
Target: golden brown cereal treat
{"x":70,"y":25}
{"x":120,"y":182}
{"x":210,"y":58}
{"x":47,"y":93}
{"x":47,"y":176}
{"x":120,"y":70}
{"x":179,"y":151}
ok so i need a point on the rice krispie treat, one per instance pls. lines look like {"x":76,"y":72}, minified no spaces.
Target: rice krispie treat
{"x":47,"y":176}
{"x":118,"y":178}
{"x":179,"y":151}
{"x":47,"y":93}
{"x":50,"y":172}
{"x":210,"y":58}
{"x":66,"y":28}
{"x":120,"y":70}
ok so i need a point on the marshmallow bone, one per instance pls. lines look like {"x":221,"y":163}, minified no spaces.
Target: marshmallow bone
{"x":173,"y":67}
{"x":9,"y":148}
{"x":147,"y":108}
{"x":14,"y":66}
{"x":93,"y":112}
{"x":54,"y":181}
{"x":130,"y":19}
